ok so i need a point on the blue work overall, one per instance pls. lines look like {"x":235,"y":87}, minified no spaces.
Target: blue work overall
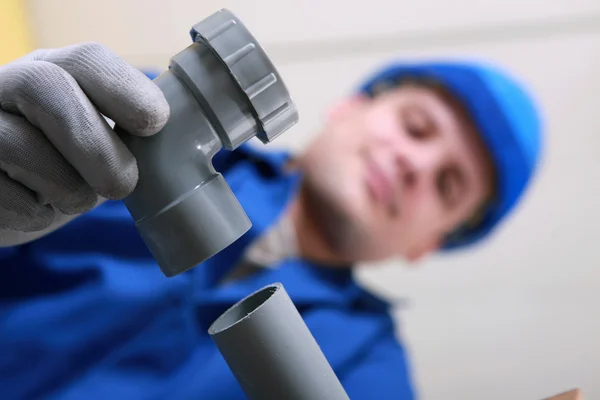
{"x":86,"y":313}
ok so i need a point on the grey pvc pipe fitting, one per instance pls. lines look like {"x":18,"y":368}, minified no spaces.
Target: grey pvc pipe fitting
{"x":222,"y":91}
{"x":271,"y":351}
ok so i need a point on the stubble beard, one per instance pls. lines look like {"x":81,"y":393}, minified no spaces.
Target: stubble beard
{"x":336,"y":227}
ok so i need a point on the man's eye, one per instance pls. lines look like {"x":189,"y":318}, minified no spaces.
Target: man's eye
{"x":449,"y":186}
{"x":416,"y":131}
{"x":443,"y":184}
{"x":416,"y":123}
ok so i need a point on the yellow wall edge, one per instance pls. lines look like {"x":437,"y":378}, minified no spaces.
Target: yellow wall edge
{"x":15,"y":36}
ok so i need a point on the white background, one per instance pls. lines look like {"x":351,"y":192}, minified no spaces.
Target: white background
{"x":518,"y":318}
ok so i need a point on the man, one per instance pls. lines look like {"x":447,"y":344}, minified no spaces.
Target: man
{"x":423,"y":158}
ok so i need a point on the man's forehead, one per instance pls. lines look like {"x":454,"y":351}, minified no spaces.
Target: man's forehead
{"x":389,"y":91}
{"x":386,"y":91}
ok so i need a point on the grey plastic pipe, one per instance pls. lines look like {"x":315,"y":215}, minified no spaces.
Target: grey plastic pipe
{"x":271,"y":351}
{"x":222,"y":91}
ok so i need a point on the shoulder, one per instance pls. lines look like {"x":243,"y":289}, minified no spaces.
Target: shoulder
{"x":367,"y":353}
{"x":381,"y":372}
{"x":381,"y":369}
{"x":361,"y":340}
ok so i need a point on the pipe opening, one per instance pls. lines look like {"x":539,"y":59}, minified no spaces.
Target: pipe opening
{"x":243,"y":309}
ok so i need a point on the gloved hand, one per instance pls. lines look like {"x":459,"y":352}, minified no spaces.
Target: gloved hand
{"x":57,"y":151}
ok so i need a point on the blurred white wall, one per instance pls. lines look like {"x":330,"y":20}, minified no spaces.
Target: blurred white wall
{"x":515,"y":319}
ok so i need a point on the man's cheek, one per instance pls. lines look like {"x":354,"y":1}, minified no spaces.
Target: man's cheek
{"x":384,"y":127}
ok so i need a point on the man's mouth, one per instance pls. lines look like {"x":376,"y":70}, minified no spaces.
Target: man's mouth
{"x":381,"y":187}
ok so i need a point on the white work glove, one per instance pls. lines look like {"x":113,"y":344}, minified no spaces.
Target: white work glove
{"x":58,"y":154}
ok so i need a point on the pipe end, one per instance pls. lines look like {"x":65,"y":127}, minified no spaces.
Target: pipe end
{"x":244,"y":308}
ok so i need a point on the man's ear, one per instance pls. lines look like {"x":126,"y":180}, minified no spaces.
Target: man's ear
{"x":345,"y":106}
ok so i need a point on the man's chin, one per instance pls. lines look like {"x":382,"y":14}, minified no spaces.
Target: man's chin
{"x":338,"y":227}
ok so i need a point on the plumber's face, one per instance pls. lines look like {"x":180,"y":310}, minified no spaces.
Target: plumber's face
{"x":393,"y":175}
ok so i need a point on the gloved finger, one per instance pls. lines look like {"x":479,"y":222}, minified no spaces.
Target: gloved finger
{"x":30,"y":158}
{"x":53,"y":102}
{"x":120,"y":91}
{"x":19,"y":209}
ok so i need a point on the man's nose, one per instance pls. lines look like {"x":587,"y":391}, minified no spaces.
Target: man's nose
{"x":407,"y":173}
{"x":417,"y":165}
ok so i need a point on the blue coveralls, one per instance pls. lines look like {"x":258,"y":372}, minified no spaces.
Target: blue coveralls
{"x":86,"y":313}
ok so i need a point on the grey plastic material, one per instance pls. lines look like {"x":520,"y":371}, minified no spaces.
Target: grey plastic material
{"x":271,"y":351}
{"x":222,"y":91}
{"x":254,"y":72}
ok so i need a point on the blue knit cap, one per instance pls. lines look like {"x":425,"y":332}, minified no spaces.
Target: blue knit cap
{"x":506,"y":118}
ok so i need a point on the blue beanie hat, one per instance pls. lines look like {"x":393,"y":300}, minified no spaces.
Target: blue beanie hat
{"x":505,"y":117}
